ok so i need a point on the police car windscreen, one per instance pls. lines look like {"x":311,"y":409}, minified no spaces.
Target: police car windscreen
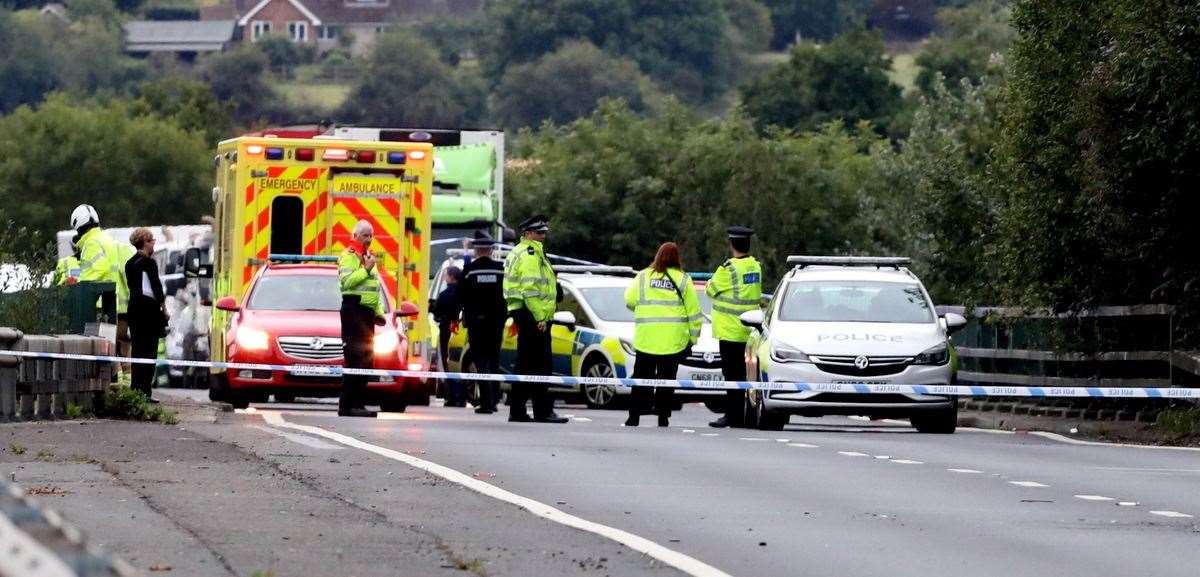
{"x":609,"y":303}
{"x":296,"y":293}
{"x":871,"y":302}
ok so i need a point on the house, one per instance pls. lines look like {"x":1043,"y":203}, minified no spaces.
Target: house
{"x":323,"y":22}
{"x":186,"y":38}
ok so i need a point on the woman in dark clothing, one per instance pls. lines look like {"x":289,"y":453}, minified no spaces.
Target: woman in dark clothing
{"x":147,"y":307}
{"x":446,"y":311}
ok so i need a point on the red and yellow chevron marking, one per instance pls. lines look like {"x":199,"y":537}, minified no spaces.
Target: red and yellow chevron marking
{"x":307,"y":182}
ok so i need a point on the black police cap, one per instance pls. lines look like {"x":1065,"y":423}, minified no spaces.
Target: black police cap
{"x":535,"y":223}
{"x":482,"y":240}
{"x":740,"y":232}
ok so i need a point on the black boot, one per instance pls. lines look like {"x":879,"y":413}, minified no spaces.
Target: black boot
{"x":720,"y":423}
{"x":663,"y":420}
{"x":633,"y":419}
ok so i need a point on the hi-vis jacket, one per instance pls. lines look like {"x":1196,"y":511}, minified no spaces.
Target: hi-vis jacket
{"x":666,"y":312}
{"x":66,"y":271}
{"x":355,"y":279}
{"x":529,"y":281}
{"x":101,"y":259}
{"x":735,"y":288}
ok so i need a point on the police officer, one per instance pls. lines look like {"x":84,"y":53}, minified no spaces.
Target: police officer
{"x":481,"y":292}
{"x":531,"y":291}
{"x":667,"y":317}
{"x":736,"y":287}
{"x":361,"y":307}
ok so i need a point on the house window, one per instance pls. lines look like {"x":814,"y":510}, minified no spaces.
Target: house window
{"x":259,"y":28}
{"x":326,"y":32}
{"x":298,"y":31}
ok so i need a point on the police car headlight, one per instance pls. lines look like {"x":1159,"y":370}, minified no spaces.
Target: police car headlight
{"x":253,"y":339}
{"x":386,"y":343}
{"x":628,"y":348}
{"x":936,"y":355}
{"x":782,"y":353}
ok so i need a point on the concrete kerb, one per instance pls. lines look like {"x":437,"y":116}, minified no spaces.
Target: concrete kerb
{"x":42,"y":388}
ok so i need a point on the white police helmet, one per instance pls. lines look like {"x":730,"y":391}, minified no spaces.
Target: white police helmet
{"x":82,"y":215}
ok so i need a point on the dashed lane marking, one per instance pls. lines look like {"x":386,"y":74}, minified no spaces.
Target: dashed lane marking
{"x":689,"y":431}
{"x":883,"y":456}
{"x":581,"y":419}
{"x":908,"y":462}
{"x":1127,"y":504}
{"x":710,"y":434}
{"x":1068,"y":440}
{"x":782,"y":440}
{"x":802,"y":445}
{"x":1171,"y":514}
{"x":853,"y":454}
{"x":966,"y":471}
{"x":1094,"y":498}
{"x":752,"y":439}
{"x":1034,"y":484}
{"x":678,"y":560}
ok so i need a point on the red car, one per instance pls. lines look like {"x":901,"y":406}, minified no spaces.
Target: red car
{"x":291,"y":317}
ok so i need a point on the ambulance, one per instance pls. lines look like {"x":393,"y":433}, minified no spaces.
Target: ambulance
{"x":298,"y":199}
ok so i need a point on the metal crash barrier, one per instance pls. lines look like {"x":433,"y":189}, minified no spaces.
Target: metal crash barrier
{"x":35,"y":542}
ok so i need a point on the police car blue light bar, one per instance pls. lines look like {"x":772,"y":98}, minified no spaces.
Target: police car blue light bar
{"x":594,"y":269}
{"x":876,"y":261}
{"x":301,"y":258}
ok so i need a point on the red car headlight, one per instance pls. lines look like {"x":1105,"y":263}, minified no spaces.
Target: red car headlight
{"x":386,"y":343}
{"x":253,"y":339}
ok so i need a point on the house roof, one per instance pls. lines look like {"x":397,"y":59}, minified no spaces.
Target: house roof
{"x":335,"y":12}
{"x":177,"y":35}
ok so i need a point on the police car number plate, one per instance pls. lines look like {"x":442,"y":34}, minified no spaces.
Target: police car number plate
{"x":311,"y":370}
{"x":705,"y":376}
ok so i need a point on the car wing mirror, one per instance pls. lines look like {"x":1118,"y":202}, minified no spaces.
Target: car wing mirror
{"x":227,"y":304}
{"x":752,"y":319}
{"x":954,"y":322}
{"x":407,"y":309}
{"x":564,"y":318}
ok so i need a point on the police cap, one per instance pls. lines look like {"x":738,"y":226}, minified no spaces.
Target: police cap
{"x":482,"y":240}
{"x":535,"y":223}
{"x":740,"y":232}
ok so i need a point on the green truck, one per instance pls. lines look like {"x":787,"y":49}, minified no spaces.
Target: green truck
{"x":468,"y":180}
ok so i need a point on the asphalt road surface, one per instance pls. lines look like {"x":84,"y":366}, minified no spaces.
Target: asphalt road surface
{"x":833,"y":496}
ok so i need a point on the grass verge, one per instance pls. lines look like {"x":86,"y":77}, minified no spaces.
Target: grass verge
{"x":122,"y":402}
{"x":1181,"y":422}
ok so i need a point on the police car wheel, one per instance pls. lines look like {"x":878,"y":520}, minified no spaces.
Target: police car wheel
{"x":940,"y":423}
{"x":285,"y":398}
{"x":599,"y":396}
{"x":749,"y":413}
{"x":770,"y":420}
{"x":393,"y":406}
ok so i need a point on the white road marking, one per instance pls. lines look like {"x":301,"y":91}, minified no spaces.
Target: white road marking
{"x":908,"y":462}
{"x":689,"y":431}
{"x":752,"y":439}
{"x":802,"y":445}
{"x":1034,"y":484}
{"x":883,"y":456}
{"x":710,"y":434}
{"x":1094,"y":498}
{"x":1144,"y":470}
{"x":581,"y":419}
{"x":678,"y":560}
{"x":782,"y":440}
{"x":853,"y":454}
{"x":1068,"y":440}
{"x":1171,"y":514}
{"x":305,"y":440}
{"x":1127,"y":504}
{"x":967,"y":471}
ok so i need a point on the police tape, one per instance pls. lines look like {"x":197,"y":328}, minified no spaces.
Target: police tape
{"x":862,"y":388}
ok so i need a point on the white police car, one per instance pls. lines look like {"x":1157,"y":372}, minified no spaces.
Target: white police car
{"x":851,"y":320}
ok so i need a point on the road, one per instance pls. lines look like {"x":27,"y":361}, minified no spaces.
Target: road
{"x":828,"y":496}
{"x":436,"y":486}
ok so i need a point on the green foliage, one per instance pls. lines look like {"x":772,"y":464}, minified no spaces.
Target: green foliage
{"x":845,"y":80}
{"x":969,"y":43}
{"x":902,"y":19}
{"x":1179,"y":421}
{"x":284,"y":55}
{"x":189,"y":104}
{"x":684,"y":45}
{"x":134,"y":170}
{"x":404,"y":83}
{"x":810,"y":20}
{"x":455,"y":39}
{"x":239,"y":78}
{"x":122,"y":402}
{"x":16,"y":449}
{"x":750,"y":25}
{"x":75,"y":412}
{"x":634,"y":182}
{"x":1100,"y":155}
{"x":567,"y":84}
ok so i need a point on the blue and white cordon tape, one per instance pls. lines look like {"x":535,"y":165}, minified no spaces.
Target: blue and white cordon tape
{"x":688,"y":384}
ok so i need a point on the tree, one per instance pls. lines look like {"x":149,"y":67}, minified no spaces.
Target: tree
{"x":567,"y":84}
{"x":134,"y":170}
{"x":26,"y":68}
{"x":189,"y":104}
{"x":750,"y":25}
{"x":844,"y":80}
{"x":404,"y":83}
{"x":1100,"y":155}
{"x":684,"y":44}
{"x":970,"y":43}
{"x":902,"y":19}
{"x":283,"y":54}
{"x":809,"y":20}
{"x":239,"y":78}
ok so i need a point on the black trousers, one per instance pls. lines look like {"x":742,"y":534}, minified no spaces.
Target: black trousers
{"x":456,"y":390}
{"x":648,"y":366}
{"x":483,"y":341}
{"x":144,"y":334}
{"x":733,"y":368}
{"x":358,"y":334}
{"x":534,"y":357}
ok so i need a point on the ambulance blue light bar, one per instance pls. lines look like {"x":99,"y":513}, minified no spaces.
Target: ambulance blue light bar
{"x":396,"y":157}
{"x":274,"y":154}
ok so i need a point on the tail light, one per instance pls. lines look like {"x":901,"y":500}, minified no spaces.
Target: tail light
{"x":305,"y":154}
{"x":365,"y":156}
{"x":417,"y":155}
